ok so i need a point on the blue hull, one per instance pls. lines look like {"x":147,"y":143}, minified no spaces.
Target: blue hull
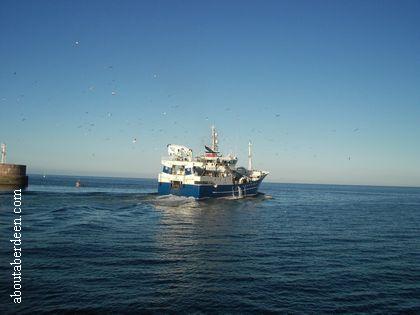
{"x":209,"y":191}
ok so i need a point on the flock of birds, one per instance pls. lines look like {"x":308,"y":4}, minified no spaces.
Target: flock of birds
{"x":88,"y":126}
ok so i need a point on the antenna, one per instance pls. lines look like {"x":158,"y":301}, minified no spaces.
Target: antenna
{"x":3,"y":153}
{"x":214,"y":141}
{"x":249,"y":156}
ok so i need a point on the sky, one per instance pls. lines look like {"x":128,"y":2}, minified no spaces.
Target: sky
{"x":327,"y":91}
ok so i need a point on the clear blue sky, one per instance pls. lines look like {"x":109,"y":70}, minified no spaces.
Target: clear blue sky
{"x":328,"y":91}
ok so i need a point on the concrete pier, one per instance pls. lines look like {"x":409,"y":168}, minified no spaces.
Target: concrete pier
{"x":13,"y":175}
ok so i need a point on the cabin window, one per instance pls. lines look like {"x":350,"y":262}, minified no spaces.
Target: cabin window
{"x":166,"y":170}
{"x":188,"y":171}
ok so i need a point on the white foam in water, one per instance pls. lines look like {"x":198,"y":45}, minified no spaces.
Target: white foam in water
{"x":174,"y":201}
{"x":231,"y":197}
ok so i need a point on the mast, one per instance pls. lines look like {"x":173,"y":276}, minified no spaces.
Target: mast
{"x":3,"y":153}
{"x":214,"y":141}
{"x":249,"y":156}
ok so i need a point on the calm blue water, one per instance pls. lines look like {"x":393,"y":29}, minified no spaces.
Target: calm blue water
{"x":113,"y":246}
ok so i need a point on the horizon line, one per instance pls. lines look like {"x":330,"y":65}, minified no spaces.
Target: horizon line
{"x":268,"y":181}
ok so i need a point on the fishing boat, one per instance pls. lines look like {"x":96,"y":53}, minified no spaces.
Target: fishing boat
{"x":209,"y":175}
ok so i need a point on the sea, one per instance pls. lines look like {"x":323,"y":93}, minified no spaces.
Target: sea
{"x":113,"y":246}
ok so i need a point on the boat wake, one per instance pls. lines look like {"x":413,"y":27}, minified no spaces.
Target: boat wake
{"x":174,"y":201}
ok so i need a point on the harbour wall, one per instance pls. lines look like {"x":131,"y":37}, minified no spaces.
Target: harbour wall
{"x":13,"y":175}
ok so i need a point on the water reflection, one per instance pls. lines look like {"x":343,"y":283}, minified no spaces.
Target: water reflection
{"x":206,"y":237}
